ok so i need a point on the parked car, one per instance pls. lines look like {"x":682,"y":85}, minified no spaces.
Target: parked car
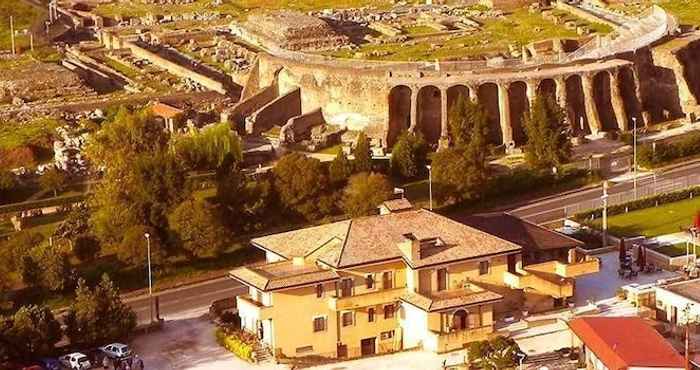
{"x":75,"y":361}
{"x":116,"y":351}
{"x":49,"y":364}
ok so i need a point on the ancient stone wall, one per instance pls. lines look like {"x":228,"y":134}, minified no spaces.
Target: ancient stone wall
{"x":356,"y":99}
{"x":275,"y":113}
{"x":237,"y":114}
{"x":299,"y":127}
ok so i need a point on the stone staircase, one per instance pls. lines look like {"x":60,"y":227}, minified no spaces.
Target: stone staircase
{"x":262,"y":354}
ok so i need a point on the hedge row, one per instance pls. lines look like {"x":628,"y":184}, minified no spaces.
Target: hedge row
{"x":236,"y":343}
{"x":642,"y":203}
{"x":42,"y":203}
{"x":668,"y":152}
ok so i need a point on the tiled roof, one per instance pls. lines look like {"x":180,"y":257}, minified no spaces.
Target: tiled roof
{"x":376,"y":238}
{"x":166,"y":111}
{"x":281,"y":275}
{"x":521,"y":232}
{"x":624,"y":342}
{"x":450,"y":299}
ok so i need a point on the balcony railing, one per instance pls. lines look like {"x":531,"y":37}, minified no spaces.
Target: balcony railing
{"x":566,"y":270}
{"x":556,"y":287}
{"x":382,"y":296}
{"x":445,"y":342}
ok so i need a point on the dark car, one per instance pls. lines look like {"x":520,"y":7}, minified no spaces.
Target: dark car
{"x":49,"y":364}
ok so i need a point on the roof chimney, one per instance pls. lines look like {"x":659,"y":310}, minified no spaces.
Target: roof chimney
{"x":410,"y":247}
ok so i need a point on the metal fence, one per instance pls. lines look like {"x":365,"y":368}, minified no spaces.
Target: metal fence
{"x":648,"y":188}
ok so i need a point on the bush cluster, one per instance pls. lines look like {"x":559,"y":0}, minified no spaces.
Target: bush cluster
{"x":239,"y":343}
{"x":524,"y":178}
{"x":642,"y":203}
{"x":668,"y":152}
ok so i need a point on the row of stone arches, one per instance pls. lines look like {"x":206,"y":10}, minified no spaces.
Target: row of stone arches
{"x":604,"y":101}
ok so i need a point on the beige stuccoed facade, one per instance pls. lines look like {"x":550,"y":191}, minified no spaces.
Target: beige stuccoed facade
{"x":400,"y":280}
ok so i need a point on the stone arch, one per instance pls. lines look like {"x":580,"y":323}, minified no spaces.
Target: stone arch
{"x":488,"y":98}
{"x":399,"y":113}
{"x":628,"y":89}
{"x":430,"y":113}
{"x":519,"y":106}
{"x":460,"y":319}
{"x":576,"y":105}
{"x":547,"y":87}
{"x":602,"y":96}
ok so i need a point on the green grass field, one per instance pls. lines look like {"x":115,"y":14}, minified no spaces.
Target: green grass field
{"x":233,"y":7}
{"x":38,"y":133}
{"x":650,"y":222}
{"x":675,"y":250}
{"x":24,"y":16}
{"x":520,"y":28}
{"x":687,"y":11}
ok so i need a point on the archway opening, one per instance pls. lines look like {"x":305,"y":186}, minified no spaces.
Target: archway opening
{"x":602,"y":96}
{"x":519,"y":106}
{"x":399,"y":113}
{"x":576,"y":108}
{"x":430,"y":113}
{"x":628,"y":89}
{"x":547,"y":88}
{"x":460,"y":320}
{"x":488,"y":98}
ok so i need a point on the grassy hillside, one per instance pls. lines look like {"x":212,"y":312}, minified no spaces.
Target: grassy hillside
{"x":24,"y":16}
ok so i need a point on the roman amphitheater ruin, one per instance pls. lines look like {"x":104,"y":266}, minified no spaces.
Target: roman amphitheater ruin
{"x":293,"y":65}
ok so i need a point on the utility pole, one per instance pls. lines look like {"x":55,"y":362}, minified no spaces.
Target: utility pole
{"x":12,"y":35}
{"x":150,"y":282}
{"x":31,"y":41}
{"x":605,"y":214}
{"x":430,"y":185}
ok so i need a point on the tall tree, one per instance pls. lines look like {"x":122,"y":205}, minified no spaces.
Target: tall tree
{"x":209,"y":148}
{"x":340,"y":169}
{"x":53,"y":180}
{"x":54,"y":266}
{"x":363,"y":154}
{"x":33,"y":331}
{"x":409,"y":155}
{"x":364,"y":192}
{"x":98,"y":316}
{"x":199,"y":227}
{"x":133,"y":248}
{"x":547,"y":135}
{"x":301,"y":183}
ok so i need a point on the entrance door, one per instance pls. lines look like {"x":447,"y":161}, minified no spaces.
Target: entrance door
{"x":511,"y":263}
{"x":367,"y":346}
{"x":342,"y":351}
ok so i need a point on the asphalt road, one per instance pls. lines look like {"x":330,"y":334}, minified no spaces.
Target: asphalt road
{"x":197,"y":297}
{"x":553,"y":209}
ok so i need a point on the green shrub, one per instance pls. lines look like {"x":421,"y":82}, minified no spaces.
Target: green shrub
{"x":237,"y":342}
{"x":642,"y":203}
{"x":688,"y":146}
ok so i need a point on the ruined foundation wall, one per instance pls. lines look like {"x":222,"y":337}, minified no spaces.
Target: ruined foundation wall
{"x":251,"y":104}
{"x":356,"y":99}
{"x":300,"y":126}
{"x":277,"y":112}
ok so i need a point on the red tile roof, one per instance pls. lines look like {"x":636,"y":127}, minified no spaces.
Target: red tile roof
{"x":624,"y":342}
{"x":166,"y":111}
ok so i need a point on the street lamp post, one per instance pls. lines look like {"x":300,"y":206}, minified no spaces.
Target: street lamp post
{"x":430,"y":185}
{"x":150,"y":281}
{"x":605,"y":213}
{"x":634,"y":150}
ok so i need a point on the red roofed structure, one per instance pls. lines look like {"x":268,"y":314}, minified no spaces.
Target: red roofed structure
{"x":621,"y":343}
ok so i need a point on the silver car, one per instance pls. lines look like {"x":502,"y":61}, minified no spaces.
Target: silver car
{"x":116,"y":351}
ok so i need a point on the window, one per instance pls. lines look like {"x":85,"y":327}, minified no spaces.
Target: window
{"x":387,"y":335}
{"x":305,"y":349}
{"x":319,"y":324}
{"x":369,"y":281}
{"x":442,"y":279}
{"x":370,"y":314}
{"x":346,"y":287}
{"x":388,"y":280}
{"x":319,"y":290}
{"x":389,"y":311}
{"x":484,"y":267}
{"x":346,"y":318}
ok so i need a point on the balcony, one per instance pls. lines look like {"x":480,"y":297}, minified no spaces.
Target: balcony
{"x":250,"y":307}
{"x":567,"y":270}
{"x":545,"y":283}
{"x":375,"y":298}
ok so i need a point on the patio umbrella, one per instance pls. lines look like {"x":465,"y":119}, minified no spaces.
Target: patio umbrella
{"x":623,"y":250}
{"x":642,"y":257}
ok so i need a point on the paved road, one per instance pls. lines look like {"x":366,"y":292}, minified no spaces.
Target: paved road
{"x":555,"y":208}
{"x":190,"y":298}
